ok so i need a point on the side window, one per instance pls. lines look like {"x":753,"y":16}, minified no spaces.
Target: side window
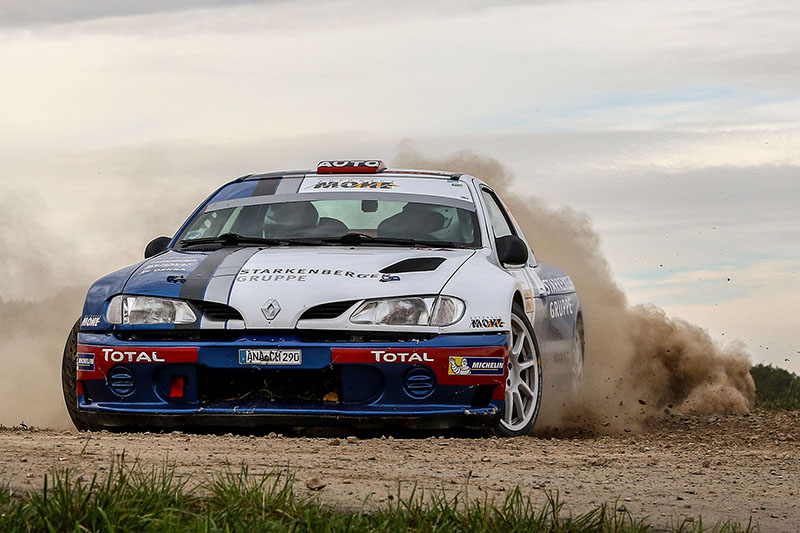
{"x":497,"y":216}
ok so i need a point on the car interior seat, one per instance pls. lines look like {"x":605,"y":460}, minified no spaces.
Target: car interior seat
{"x":293,"y":219}
{"x":331,"y":227}
{"x":415,"y":221}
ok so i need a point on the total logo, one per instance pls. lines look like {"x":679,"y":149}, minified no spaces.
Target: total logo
{"x":382,"y":356}
{"x":116,"y":356}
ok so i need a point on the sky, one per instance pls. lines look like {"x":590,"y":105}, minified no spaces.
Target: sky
{"x":675,"y":126}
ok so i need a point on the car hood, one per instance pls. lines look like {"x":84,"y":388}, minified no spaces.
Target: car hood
{"x":294,"y":279}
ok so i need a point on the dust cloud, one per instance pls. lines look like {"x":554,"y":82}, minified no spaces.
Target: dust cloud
{"x":57,"y":235}
{"x":639,"y":363}
{"x":33,"y":336}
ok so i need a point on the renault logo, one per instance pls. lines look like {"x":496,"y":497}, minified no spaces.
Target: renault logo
{"x":271,"y":309}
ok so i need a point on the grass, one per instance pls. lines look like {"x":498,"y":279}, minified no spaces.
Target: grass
{"x":776,"y":388}
{"x":130,"y":498}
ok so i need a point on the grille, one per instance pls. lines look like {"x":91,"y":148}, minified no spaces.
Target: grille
{"x":327,"y":311}
{"x":293,"y":385}
{"x":121,"y":381}
{"x":219,"y":312}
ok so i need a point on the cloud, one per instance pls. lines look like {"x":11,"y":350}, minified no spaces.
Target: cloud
{"x":36,"y":12}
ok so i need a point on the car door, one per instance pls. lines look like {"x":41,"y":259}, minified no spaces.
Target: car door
{"x":502,"y":224}
{"x":549,"y":338}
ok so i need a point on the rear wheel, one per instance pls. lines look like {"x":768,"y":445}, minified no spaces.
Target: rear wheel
{"x":69,"y":381}
{"x":523,"y":394}
{"x":578,"y":353}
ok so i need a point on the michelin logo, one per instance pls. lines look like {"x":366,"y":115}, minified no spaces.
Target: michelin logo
{"x":475,"y":366}
{"x":86,"y":362}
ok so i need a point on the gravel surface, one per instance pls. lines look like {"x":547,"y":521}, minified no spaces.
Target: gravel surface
{"x":737,"y":467}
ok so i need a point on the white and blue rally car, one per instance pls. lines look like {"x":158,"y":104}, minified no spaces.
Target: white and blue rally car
{"x":352,"y":295}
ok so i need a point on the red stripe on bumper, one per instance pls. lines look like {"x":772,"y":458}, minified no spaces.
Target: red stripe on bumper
{"x":104,"y":357}
{"x":439,"y":359}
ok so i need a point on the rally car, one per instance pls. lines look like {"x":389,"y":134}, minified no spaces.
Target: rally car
{"x":350,"y":295}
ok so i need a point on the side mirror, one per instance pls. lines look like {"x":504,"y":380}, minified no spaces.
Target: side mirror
{"x":156,"y":246}
{"x":511,"y":250}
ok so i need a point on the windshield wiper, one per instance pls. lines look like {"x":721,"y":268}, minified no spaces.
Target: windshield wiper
{"x":234,"y":239}
{"x":349,"y":239}
{"x":362,"y":238}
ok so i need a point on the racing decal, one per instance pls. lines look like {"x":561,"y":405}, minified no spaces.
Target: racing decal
{"x":468,"y":366}
{"x":104,"y":357}
{"x":486,"y":322}
{"x":131,"y":356}
{"x":86,"y":362}
{"x":383,"y":356}
{"x":354,"y":184}
{"x":558,"y":285}
{"x":297,"y":274}
{"x":169,"y":265}
{"x":561,"y":307}
{"x":362,"y":166}
{"x":485,"y":365}
{"x":90,"y":321}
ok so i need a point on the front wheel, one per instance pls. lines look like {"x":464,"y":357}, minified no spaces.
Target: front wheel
{"x":69,"y":381}
{"x":523,"y":394}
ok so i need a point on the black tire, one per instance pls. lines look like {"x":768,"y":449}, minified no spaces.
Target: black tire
{"x":69,"y":381}
{"x":524,"y":377}
{"x":579,"y":356}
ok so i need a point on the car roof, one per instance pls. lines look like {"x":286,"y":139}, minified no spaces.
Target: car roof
{"x":402,"y":173}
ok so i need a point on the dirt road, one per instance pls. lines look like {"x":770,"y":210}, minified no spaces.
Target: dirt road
{"x":726,"y":467}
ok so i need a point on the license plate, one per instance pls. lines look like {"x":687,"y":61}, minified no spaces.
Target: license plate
{"x":270,"y":357}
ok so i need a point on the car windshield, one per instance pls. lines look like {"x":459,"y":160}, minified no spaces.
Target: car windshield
{"x":418,"y":219}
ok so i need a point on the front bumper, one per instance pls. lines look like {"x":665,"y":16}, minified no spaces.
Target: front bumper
{"x":412,"y":384}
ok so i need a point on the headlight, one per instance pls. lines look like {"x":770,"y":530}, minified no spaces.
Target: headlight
{"x":125,"y":309}
{"x":410,"y":311}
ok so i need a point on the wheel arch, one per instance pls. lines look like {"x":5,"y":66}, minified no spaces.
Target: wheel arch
{"x":517,"y":299}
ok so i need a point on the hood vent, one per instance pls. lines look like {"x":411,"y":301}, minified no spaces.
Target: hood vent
{"x":327,"y":311}
{"x":416,"y":264}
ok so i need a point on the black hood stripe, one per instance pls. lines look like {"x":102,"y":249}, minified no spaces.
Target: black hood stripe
{"x":220,"y":285}
{"x":195,"y":286}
